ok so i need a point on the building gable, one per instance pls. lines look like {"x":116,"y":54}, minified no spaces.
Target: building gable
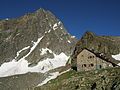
{"x":87,"y":60}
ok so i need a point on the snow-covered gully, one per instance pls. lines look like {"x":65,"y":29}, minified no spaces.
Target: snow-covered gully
{"x":21,"y":66}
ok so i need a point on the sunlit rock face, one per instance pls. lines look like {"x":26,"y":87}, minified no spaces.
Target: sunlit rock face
{"x":25,"y":31}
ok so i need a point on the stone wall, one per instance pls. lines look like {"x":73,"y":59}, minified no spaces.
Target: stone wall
{"x":87,"y":60}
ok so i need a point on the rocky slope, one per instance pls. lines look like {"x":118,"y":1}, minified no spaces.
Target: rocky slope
{"x":105,"y":79}
{"x":21,"y":82}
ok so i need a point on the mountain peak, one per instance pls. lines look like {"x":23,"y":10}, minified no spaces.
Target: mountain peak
{"x":36,"y":36}
{"x":41,"y":10}
{"x":88,"y":34}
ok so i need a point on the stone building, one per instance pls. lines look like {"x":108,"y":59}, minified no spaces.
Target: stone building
{"x":88,"y":60}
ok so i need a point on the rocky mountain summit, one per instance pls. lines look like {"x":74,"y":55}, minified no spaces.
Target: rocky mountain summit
{"x":103,"y":44}
{"x":22,"y":33}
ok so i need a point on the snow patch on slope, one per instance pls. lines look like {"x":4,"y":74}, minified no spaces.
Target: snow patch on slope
{"x":49,"y":31}
{"x":69,"y":41}
{"x":52,"y":76}
{"x":61,"y":27}
{"x":34,"y":46}
{"x":44,"y":51}
{"x":117,"y":57}
{"x":21,"y":67}
{"x":13,"y":68}
{"x":7,"y":19}
{"x":55,"y":26}
{"x":72,"y":36}
{"x":18,"y":53}
{"x":118,"y":64}
{"x":49,"y":64}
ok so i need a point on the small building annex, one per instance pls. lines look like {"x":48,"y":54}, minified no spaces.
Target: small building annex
{"x":88,"y":60}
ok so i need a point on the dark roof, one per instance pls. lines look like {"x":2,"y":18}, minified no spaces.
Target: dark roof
{"x":102,"y":56}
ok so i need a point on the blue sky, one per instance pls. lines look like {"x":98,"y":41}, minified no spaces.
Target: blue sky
{"x":99,"y":16}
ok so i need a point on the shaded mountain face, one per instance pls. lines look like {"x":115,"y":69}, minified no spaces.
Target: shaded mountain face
{"x":109,"y":45}
{"x":33,"y":36}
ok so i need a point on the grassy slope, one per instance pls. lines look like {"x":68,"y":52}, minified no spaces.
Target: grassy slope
{"x":106,"y":79}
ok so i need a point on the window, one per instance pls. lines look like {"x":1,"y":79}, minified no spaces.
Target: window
{"x":99,"y":67}
{"x":84,"y":65}
{"x":90,"y":57}
{"x":91,"y":65}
